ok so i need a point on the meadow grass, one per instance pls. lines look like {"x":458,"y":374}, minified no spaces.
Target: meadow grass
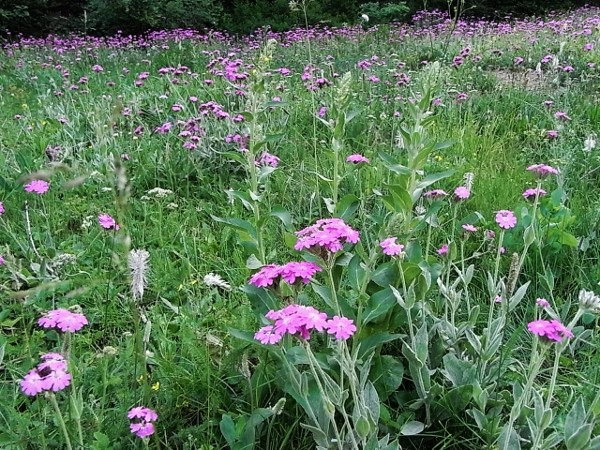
{"x":109,"y":121}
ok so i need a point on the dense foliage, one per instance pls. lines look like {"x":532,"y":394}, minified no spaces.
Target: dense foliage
{"x":101,"y":17}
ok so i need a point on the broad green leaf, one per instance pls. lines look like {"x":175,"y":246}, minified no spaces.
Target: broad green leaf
{"x":283,"y":215}
{"x":412,"y":428}
{"x":575,"y":419}
{"x":387,"y":373}
{"x":378,"y":305}
{"x":227,"y":428}
{"x":347,"y":206}
{"x":580,"y":439}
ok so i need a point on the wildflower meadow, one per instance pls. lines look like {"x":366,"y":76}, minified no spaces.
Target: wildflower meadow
{"x":364,"y":238}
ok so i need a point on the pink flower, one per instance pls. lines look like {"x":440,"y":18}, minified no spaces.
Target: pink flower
{"x":50,"y":375}
{"x":268,"y":335}
{"x":443,"y":249}
{"x":32,"y":384}
{"x":107,"y":222}
{"x":267,"y":159}
{"x":141,"y":412}
{"x":391,"y":247}
{"x":57,"y":380}
{"x":145,"y":427}
{"x":542,"y":302}
{"x":435,"y":193}
{"x":290,"y":272}
{"x":542,"y":170}
{"x":37,"y":187}
{"x":303,"y":270}
{"x":142,"y":429}
{"x":551,"y":330}
{"x":506,"y":219}
{"x":341,"y":327}
{"x":552,"y":134}
{"x":313,"y":319}
{"x":1,"y":208}
{"x":469,"y":228}
{"x":328,"y":234}
{"x":356,"y":159}
{"x":462,"y":193}
{"x":63,"y":319}
{"x":498,"y":299}
{"x":559,"y":115}
{"x":531,"y":193}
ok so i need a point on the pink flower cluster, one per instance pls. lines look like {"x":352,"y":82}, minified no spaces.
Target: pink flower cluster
{"x":542,"y":170}
{"x":329,"y":234}
{"x":63,"y":319}
{"x":49,"y":375}
{"x":390,"y":247}
{"x":145,"y":426}
{"x":300,"y":319}
{"x":551,"y":330}
{"x":290,"y":273}
{"x":37,"y":187}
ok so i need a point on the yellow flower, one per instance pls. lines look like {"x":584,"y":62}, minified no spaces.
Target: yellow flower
{"x":156,"y":386}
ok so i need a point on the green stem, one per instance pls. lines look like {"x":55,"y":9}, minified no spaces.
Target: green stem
{"x":61,"y":421}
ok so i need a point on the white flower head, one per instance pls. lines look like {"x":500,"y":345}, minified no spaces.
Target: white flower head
{"x":212,"y":279}
{"x":138,"y":265}
{"x":364,"y":17}
{"x":469,"y":177}
{"x":589,"y":300}
{"x":589,"y":144}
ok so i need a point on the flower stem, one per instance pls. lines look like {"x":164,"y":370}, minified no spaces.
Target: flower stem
{"x":61,"y":421}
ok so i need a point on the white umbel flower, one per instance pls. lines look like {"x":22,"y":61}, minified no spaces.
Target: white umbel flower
{"x":212,"y":279}
{"x":364,"y":17}
{"x":138,"y":265}
{"x":159,"y":192}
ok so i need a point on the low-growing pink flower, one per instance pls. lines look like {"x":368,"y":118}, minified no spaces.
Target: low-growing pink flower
{"x":443,"y":249}
{"x":391,"y":247}
{"x":357,"y":159}
{"x":469,"y":228}
{"x":506,"y":219}
{"x":542,"y":302}
{"x":1,"y":208}
{"x":462,"y":193}
{"x":141,"y":412}
{"x":532,"y":193}
{"x":37,"y":187}
{"x":63,"y":319}
{"x":145,"y":426}
{"x":435,"y":193}
{"x":108,"y":222}
{"x":50,"y":375}
{"x":542,"y":170}
{"x":142,"y":429}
